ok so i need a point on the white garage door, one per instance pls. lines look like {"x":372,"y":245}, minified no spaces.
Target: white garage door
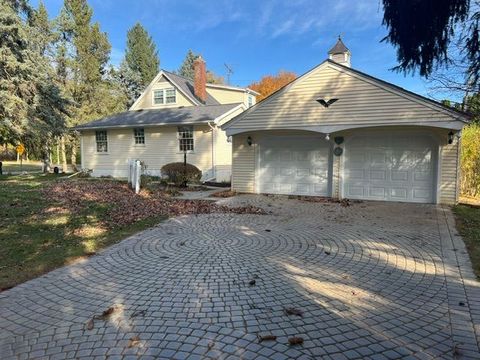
{"x":390,"y":168}
{"x":294,"y":166}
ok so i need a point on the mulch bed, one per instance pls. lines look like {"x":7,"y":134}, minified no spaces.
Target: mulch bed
{"x":126,"y":207}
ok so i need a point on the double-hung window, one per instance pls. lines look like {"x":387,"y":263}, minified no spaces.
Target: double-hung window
{"x":139,"y":136}
{"x":164,"y":96}
{"x":185,"y":138}
{"x":158,"y":97}
{"x":171,"y":96}
{"x":102,"y":142}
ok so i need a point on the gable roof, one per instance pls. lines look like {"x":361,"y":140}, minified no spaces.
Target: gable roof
{"x":166,"y":116}
{"x":458,"y":115}
{"x":184,"y":85}
{"x":187,"y":87}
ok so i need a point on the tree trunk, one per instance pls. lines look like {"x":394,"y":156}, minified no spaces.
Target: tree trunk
{"x":74,"y":155}
{"x":64,"y":154}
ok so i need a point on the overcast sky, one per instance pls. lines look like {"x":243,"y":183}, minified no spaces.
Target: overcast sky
{"x":255,"y":37}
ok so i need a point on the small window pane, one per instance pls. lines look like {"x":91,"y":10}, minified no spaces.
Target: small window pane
{"x":101,"y":139}
{"x":250,"y":101}
{"x":185,"y":138}
{"x":139,"y":135}
{"x":158,"y":97}
{"x":171,"y":96}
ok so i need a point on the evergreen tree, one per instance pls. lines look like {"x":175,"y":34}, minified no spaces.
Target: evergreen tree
{"x":141,"y":54}
{"x":17,"y":72}
{"x":129,"y":81}
{"x":186,"y":69}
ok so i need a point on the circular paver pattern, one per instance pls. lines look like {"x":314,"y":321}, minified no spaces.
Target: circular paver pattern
{"x":366,"y":279}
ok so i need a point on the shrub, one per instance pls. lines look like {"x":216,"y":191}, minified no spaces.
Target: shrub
{"x":470,"y":161}
{"x":179,"y":174}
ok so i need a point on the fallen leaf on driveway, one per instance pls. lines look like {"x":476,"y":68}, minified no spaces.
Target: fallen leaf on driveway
{"x":134,"y":341}
{"x":266,"y":338}
{"x":296,"y":340}
{"x":89,"y":325}
{"x":293,"y":311}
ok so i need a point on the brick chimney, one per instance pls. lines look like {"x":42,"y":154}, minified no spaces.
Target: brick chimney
{"x":200,"y":79}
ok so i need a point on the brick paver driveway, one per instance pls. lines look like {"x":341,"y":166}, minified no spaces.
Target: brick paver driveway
{"x":370,"y":280}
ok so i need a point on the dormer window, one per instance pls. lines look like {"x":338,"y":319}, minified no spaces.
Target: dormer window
{"x":158,"y":97}
{"x":171,"y":96}
{"x":164,"y":96}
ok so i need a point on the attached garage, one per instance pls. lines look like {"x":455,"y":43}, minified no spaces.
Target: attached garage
{"x":336,"y":131}
{"x":294,"y":166}
{"x":391,"y":167}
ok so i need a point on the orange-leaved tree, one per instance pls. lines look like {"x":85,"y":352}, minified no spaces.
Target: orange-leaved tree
{"x":271,"y":83}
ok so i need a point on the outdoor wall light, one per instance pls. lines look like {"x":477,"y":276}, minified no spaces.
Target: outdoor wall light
{"x":249,"y":141}
{"x":338,"y":139}
{"x":327,"y":137}
{"x":450,"y":137}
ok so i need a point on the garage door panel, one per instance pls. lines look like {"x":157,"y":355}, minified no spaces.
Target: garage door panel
{"x":390,"y":168}
{"x":300,"y":167}
{"x":378,"y":192}
{"x":378,"y":174}
{"x":399,"y":175}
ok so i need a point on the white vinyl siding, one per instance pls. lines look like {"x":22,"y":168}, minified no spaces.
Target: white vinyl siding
{"x":360,"y":102}
{"x":243,"y":165}
{"x":449,"y":167}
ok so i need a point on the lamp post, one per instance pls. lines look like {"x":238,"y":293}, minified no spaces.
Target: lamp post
{"x":185,"y":167}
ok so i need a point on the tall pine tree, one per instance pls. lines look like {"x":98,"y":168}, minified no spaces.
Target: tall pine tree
{"x":141,"y":54}
{"x":186,"y":69}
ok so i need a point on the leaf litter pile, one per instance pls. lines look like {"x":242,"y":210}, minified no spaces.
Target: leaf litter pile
{"x":124,"y":206}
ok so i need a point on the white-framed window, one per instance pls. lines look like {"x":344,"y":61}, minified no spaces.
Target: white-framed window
{"x":102,"y":141}
{"x":158,"y":97}
{"x":139,"y":136}
{"x":164,"y":96}
{"x":171,"y":96}
{"x":250,"y":100}
{"x":185,"y":138}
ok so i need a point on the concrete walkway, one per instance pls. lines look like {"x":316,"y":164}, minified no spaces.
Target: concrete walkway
{"x":370,"y":280}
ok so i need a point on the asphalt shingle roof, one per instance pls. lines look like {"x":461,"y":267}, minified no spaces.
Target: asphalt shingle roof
{"x":339,"y":48}
{"x":151,"y":117}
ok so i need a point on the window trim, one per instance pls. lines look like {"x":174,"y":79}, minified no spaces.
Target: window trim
{"x":164,"y":96}
{"x":179,"y":138}
{"x":135,"y":137}
{"x":97,"y":141}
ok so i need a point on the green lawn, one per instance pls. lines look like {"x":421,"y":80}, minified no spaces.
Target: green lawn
{"x":468,"y":224}
{"x":28,"y":166}
{"x":38,"y":235}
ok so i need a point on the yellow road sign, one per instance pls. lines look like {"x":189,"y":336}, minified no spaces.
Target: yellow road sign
{"x":20,"y":149}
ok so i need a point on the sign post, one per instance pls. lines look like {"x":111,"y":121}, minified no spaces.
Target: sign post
{"x":20,"y":150}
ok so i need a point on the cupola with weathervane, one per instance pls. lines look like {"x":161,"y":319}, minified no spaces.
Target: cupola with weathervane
{"x":340,"y":53}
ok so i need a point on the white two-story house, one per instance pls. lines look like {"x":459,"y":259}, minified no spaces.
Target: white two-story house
{"x":173,"y":115}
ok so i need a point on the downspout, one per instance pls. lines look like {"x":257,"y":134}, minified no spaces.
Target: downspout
{"x":213,"y":153}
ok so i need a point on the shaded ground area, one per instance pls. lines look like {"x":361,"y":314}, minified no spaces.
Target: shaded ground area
{"x":359,"y":280}
{"x":468,"y":224}
{"x":47,"y":221}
